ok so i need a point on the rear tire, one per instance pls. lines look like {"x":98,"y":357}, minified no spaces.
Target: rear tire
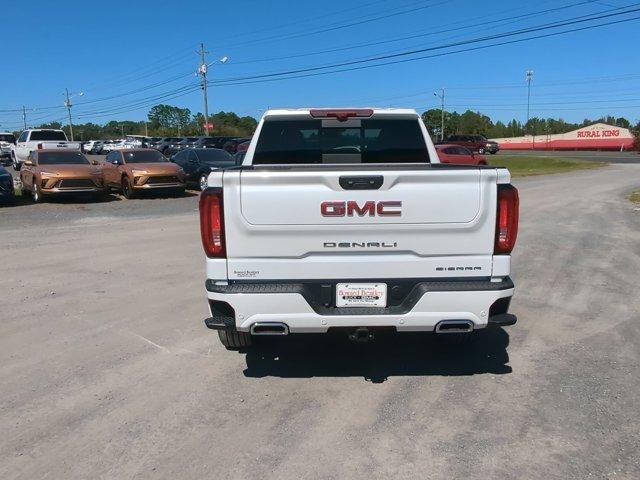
{"x":234,"y":340}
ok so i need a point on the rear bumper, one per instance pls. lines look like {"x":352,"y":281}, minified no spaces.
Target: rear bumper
{"x":309,"y":307}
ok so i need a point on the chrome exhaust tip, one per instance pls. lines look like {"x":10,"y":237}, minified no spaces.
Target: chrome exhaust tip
{"x":269,"y":328}
{"x":454,"y":326}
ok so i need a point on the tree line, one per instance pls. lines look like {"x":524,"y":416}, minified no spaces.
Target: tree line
{"x":471,"y":122}
{"x":163,"y":121}
{"x":168,"y":120}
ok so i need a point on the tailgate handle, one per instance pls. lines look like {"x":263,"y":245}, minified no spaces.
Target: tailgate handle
{"x":371,"y":182}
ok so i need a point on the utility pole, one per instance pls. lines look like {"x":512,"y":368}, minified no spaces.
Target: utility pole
{"x":122,"y":130}
{"x":24,"y":116}
{"x":67,"y":103}
{"x":202,"y":71}
{"x":441,"y":97}
{"x":146,"y":129}
{"x":529,"y":77}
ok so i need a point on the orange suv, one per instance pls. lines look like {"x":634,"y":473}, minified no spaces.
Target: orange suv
{"x":142,"y":169}
{"x":58,"y":172}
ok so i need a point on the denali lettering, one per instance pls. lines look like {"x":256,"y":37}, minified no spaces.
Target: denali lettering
{"x":360,"y":245}
{"x":387,"y":208}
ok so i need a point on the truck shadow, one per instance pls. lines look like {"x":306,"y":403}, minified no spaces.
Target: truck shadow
{"x":407,"y":354}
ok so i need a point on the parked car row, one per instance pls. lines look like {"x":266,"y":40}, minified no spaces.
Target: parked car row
{"x":171,"y":145}
{"x":49,"y":172}
{"x":167,"y":145}
{"x":97,"y":147}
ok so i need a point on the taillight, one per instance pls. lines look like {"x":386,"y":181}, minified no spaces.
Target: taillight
{"x":212,"y":223}
{"x":507,"y":219}
{"x":341,"y":114}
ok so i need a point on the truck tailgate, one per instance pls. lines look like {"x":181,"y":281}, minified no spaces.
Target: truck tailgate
{"x":309,"y":223}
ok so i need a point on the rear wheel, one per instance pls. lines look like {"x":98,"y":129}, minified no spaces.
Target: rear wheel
{"x":234,"y":340}
{"x":127,"y":190}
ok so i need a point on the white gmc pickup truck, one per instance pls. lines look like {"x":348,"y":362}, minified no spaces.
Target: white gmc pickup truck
{"x":346,"y":219}
{"x":39,"y":139}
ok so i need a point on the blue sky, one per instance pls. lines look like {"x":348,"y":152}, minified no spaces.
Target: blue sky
{"x":126,"y":56}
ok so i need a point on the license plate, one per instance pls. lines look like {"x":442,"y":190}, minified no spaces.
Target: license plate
{"x":361,"y":295}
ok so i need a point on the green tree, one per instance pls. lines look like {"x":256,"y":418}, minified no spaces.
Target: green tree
{"x":474,"y":123}
{"x":433,"y":121}
{"x":168,"y":118}
{"x":622,"y":122}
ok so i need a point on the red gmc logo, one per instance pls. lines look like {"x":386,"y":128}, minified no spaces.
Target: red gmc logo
{"x":389,"y":208}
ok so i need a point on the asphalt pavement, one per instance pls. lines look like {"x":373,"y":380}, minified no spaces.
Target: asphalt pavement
{"x":107,"y":371}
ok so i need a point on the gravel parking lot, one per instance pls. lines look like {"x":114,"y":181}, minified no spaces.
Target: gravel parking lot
{"x":107,"y":370}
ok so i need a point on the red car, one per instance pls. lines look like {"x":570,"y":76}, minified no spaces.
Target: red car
{"x":449,"y":153}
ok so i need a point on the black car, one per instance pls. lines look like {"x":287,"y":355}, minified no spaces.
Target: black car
{"x":154,"y":142}
{"x":208,"y":142}
{"x":186,"y":142}
{"x":167,"y":144}
{"x":6,"y":186}
{"x":231,"y":145}
{"x":197,"y":163}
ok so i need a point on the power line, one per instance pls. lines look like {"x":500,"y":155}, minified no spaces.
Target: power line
{"x":410,"y":37}
{"x":315,"y":71}
{"x":338,"y":26}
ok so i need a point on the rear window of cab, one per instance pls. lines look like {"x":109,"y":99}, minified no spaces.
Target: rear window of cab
{"x":314,"y":141}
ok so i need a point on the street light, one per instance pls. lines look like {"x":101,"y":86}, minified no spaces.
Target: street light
{"x":202,"y":71}
{"x":67,"y":103}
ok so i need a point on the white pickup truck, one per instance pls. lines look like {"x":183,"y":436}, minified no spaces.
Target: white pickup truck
{"x":39,"y":139}
{"x":346,"y":219}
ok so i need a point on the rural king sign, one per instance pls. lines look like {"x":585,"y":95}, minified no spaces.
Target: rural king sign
{"x":599,"y":136}
{"x":597,"y":133}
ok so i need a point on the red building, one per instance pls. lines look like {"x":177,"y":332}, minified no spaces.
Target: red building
{"x":598,"y":136}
